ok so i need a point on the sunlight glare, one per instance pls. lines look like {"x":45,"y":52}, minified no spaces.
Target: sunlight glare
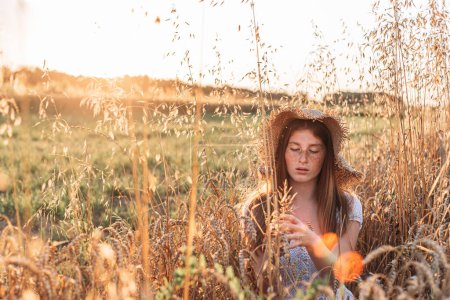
{"x":330,"y":239}
{"x":348,"y":266}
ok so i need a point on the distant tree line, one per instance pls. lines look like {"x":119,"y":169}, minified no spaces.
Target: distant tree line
{"x":340,"y":98}
{"x":35,"y":81}
{"x":59,"y":83}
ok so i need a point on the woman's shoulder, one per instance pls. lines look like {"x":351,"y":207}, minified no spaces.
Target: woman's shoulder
{"x":355,"y":207}
{"x":352,"y":198}
{"x":249,"y":203}
{"x":251,"y":199}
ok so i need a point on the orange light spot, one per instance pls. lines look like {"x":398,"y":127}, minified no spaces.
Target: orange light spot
{"x":157,"y":20}
{"x":348,"y":266}
{"x":330,"y":239}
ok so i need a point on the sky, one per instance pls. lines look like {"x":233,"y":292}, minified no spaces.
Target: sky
{"x":110,"y":38}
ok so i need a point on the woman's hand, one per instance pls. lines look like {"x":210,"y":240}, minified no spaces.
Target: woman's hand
{"x":297,"y":232}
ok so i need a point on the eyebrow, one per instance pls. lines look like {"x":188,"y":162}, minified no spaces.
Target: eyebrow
{"x":309,"y":145}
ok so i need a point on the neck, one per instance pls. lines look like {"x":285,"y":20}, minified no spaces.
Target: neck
{"x":305,"y":192}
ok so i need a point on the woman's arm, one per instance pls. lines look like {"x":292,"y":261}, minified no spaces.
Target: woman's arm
{"x":323,"y":257}
{"x":300,"y":235}
{"x":258,"y":263}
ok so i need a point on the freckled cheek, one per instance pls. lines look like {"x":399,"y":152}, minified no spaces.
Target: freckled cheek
{"x":290,"y":163}
{"x":318,"y":163}
{"x":289,"y":158}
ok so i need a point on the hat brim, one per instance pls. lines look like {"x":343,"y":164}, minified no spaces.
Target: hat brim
{"x":345,"y":175}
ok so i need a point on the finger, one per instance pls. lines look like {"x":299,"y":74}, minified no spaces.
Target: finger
{"x":299,"y":225}
{"x":294,"y":245}
{"x":287,"y":227}
{"x":290,"y":218}
{"x":294,"y":236}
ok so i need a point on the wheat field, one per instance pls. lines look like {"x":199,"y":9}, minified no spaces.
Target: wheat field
{"x":109,"y":193}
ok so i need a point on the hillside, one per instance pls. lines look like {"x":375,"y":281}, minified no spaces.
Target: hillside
{"x":35,"y":81}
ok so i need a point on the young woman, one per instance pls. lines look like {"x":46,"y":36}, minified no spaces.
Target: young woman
{"x":303,"y":146}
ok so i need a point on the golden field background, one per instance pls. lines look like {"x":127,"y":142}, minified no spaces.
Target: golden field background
{"x":127,"y":188}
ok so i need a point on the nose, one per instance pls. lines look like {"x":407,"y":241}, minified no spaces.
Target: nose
{"x":302,"y":156}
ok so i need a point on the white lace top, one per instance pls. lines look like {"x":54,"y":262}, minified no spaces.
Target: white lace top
{"x":298,"y":267}
{"x":355,"y":213}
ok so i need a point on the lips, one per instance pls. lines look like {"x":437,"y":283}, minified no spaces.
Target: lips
{"x":301,"y":169}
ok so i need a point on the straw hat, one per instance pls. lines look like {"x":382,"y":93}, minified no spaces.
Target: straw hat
{"x":346,"y":176}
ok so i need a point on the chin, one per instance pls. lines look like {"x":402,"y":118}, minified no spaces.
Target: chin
{"x":301,"y":180}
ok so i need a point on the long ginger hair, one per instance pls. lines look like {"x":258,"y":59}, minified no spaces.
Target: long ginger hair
{"x":329,"y":196}
{"x":333,"y":210}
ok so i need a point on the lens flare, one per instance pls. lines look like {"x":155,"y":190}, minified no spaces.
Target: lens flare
{"x":348,"y":266}
{"x":330,"y":240}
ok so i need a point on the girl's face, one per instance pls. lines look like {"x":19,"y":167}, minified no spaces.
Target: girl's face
{"x":304,"y":156}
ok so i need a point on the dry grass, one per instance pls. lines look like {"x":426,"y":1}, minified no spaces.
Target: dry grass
{"x":180,"y":235}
